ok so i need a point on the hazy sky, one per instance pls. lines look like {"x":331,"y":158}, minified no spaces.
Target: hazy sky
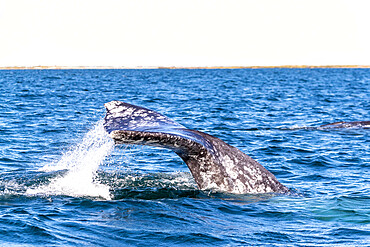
{"x":184,"y":33}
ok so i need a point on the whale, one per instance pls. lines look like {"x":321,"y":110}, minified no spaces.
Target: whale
{"x":346,"y":125}
{"x":214,"y":164}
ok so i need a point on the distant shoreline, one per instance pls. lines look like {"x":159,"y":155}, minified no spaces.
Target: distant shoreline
{"x":179,"y":67}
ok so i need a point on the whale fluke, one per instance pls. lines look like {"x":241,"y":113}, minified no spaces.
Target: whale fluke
{"x":214,"y":164}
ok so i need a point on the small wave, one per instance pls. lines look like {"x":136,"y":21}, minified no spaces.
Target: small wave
{"x":105,"y":185}
{"x":152,"y":186}
{"x":297,"y":127}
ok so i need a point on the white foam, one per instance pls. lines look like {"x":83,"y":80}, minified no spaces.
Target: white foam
{"x":82,"y":164}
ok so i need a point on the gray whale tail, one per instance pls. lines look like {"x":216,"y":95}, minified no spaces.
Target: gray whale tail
{"x":214,"y":164}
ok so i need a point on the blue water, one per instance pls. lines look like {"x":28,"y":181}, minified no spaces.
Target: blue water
{"x":64,"y":183}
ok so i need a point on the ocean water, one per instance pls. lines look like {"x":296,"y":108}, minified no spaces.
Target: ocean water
{"x":64,"y":183}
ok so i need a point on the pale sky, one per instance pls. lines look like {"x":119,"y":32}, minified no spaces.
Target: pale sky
{"x":184,"y":33}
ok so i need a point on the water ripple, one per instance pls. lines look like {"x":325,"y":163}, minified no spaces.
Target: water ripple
{"x":134,"y":196}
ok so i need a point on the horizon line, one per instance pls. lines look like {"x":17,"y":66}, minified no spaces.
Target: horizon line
{"x":55,"y":67}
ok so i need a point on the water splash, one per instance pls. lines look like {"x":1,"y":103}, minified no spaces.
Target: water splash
{"x":81,"y":164}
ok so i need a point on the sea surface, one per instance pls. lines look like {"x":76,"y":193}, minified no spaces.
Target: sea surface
{"x":63,"y":182}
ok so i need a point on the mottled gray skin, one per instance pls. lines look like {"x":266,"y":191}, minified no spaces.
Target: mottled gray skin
{"x":214,"y":164}
{"x":340,"y":125}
